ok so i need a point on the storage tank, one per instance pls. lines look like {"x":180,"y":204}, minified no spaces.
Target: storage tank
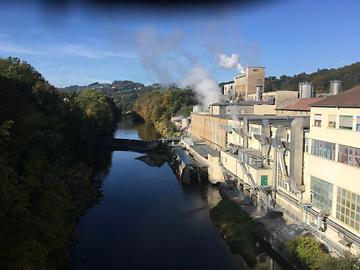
{"x":258,"y":92}
{"x":335,"y":87}
{"x":305,"y":90}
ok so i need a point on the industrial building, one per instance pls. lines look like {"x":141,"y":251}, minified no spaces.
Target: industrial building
{"x":246,"y":84}
{"x":290,"y":152}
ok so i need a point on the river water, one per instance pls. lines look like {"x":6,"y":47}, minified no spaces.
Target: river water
{"x":147,"y":219}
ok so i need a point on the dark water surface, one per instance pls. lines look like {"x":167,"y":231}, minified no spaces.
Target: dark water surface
{"x":148,"y":220}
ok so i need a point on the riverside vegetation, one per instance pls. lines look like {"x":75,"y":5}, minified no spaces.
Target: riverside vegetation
{"x":304,"y":252}
{"x":157,"y":107}
{"x":50,"y":165}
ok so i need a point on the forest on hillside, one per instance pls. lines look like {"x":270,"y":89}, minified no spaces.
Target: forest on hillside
{"x":349,"y":76}
{"x":50,"y":165}
{"x":157,"y":107}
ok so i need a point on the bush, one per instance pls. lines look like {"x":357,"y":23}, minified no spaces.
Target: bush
{"x":308,"y":253}
{"x":232,"y":222}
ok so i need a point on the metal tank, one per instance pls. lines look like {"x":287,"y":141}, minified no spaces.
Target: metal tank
{"x":305,"y":90}
{"x":258,"y":92}
{"x":335,"y":87}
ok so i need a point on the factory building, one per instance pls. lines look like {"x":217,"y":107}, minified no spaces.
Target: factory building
{"x":332,"y":165}
{"x":245,"y":84}
{"x":229,"y":90}
{"x":291,"y":152}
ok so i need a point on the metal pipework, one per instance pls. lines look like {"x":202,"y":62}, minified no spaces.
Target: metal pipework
{"x":297,"y":154}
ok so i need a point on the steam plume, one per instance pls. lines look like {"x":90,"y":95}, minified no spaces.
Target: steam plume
{"x":231,"y":62}
{"x":205,"y":87}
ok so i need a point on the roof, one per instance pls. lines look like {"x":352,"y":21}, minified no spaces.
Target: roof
{"x":203,"y":150}
{"x":347,"y":99}
{"x":302,"y":104}
{"x":244,"y":103}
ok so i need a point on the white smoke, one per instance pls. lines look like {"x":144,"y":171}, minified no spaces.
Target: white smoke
{"x":205,"y":87}
{"x":231,"y":61}
{"x":164,"y":57}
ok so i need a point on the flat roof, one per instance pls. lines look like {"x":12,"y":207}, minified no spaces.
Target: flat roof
{"x":244,"y":103}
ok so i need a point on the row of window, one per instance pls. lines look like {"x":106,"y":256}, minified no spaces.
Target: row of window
{"x":321,"y":194}
{"x":348,"y":208}
{"x":347,"y":202}
{"x":323,"y":149}
{"x":345,"y":121}
{"x":346,"y":154}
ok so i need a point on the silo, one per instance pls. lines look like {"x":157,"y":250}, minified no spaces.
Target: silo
{"x":305,"y":90}
{"x":258,"y":92}
{"x":335,"y":87}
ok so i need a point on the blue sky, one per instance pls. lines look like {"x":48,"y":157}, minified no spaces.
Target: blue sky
{"x":81,"y":46}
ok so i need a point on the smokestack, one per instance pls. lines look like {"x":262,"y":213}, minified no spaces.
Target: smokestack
{"x":258,"y":92}
{"x":335,"y":87}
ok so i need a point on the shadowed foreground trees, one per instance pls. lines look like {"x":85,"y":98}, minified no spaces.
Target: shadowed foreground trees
{"x":49,"y":164}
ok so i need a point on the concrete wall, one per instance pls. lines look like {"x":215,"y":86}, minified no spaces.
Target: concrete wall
{"x":264,"y":109}
{"x":209,"y":128}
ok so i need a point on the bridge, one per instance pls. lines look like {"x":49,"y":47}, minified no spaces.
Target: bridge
{"x":135,"y":145}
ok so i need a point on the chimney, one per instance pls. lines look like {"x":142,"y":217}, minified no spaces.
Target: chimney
{"x":258,"y":92}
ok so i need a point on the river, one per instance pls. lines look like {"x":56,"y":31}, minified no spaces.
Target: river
{"x":147,"y":219}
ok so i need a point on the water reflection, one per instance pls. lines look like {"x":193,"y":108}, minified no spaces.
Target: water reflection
{"x":153,"y":160}
{"x":147,"y":219}
{"x":134,"y":128}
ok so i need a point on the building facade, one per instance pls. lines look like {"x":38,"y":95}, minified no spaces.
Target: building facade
{"x":245,"y":84}
{"x":305,"y":164}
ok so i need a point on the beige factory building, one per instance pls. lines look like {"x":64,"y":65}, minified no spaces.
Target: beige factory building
{"x":245,"y":84}
{"x":332,"y":165}
{"x":300,"y":157}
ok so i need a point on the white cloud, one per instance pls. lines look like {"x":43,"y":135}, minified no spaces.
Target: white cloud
{"x":80,"y":50}
{"x":16,"y":48}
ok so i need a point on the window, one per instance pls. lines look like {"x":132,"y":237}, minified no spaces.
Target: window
{"x":346,"y":122}
{"x":317,"y":120}
{"x":321,"y":194}
{"x":357,"y":123}
{"x":332,"y":121}
{"x":323,"y":149}
{"x":349,"y":155}
{"x":348,"y":207}
{"x":306,"y":145}
{"x":281,"y":181}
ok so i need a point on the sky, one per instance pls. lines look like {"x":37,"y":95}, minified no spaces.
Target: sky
{"x":81,"y":45}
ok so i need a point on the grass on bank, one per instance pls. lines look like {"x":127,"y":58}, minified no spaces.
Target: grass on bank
{"x":238,"y":229}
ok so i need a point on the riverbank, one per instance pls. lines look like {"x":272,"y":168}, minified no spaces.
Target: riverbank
{"x":234,"y":216}
{"x":293,"y":246}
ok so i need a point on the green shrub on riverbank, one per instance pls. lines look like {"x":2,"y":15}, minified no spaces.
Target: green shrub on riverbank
{"x":238,"y":229}
{"x":308,"y":253}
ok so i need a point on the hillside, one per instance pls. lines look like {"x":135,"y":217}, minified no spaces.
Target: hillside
{"x":108,"y":88}
{"x":349,"y":75}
